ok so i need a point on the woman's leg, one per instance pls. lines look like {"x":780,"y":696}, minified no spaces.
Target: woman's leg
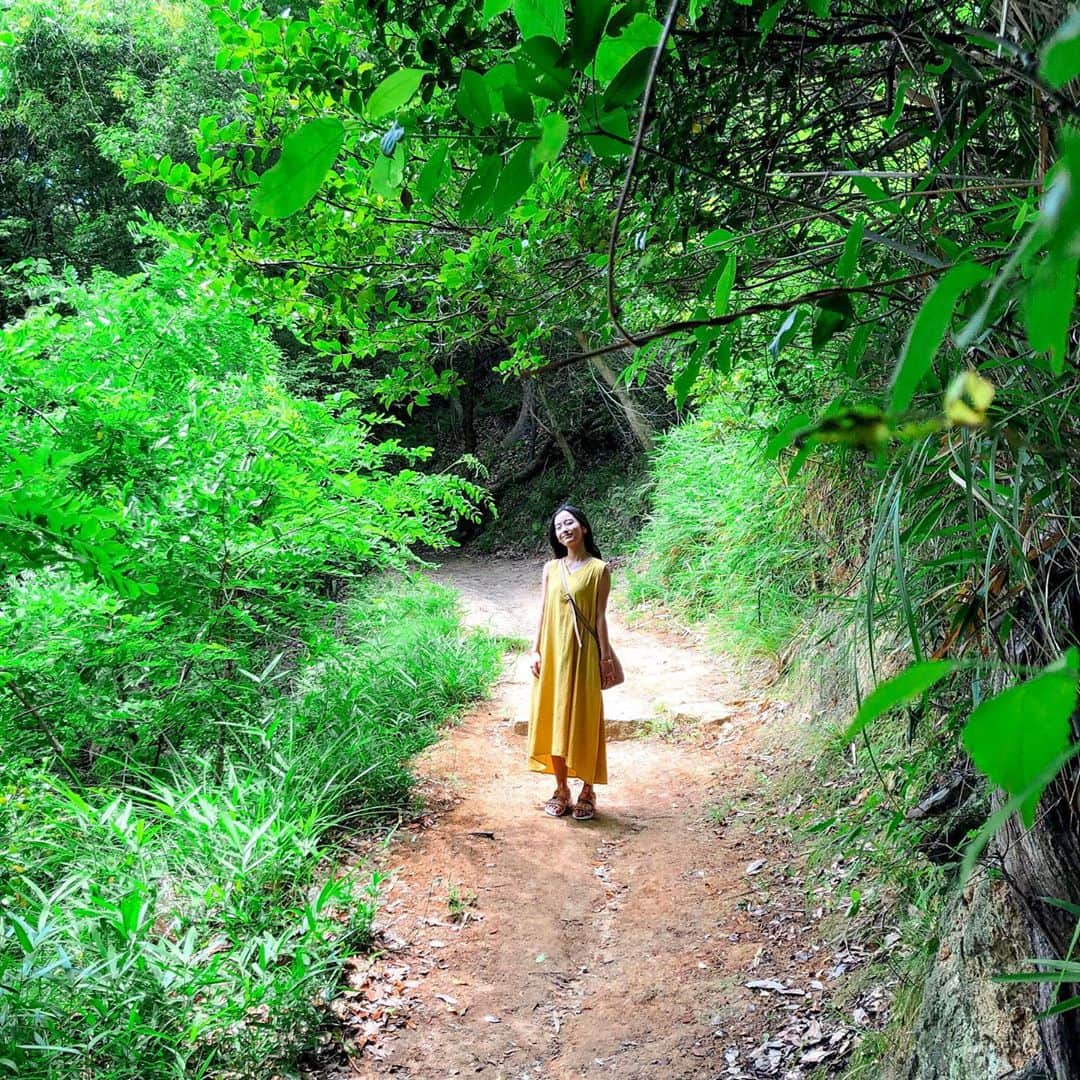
{"x":558,"y":764}
{"x":585,"y":806}
{"x":559,"y":803}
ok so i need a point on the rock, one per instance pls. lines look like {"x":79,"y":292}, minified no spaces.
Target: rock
{"x":616,"y":730}
{"x":969,"y":1026}
{"x":702,"y":713}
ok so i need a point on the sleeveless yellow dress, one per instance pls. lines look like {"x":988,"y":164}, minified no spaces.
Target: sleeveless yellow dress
{"x":567,"y":715}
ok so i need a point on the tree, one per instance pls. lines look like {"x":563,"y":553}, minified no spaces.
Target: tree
{"x":81,"y":90}
{"x":822,"y":205}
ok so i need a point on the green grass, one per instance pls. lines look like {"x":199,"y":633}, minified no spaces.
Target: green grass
{"x":722,"y":543}
{"x":191,"y":919}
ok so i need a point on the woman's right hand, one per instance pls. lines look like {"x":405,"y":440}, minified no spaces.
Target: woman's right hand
{"x":534,"y":664}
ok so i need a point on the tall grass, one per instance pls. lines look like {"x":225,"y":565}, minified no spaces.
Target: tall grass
{"x":724,"y":541}
{"x":189,"y":923}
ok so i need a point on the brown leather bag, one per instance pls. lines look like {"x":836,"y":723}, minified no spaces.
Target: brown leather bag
{"x":618,"y":676}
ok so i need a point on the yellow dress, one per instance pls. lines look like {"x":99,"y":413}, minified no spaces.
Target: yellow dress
{"x":567,"y":716}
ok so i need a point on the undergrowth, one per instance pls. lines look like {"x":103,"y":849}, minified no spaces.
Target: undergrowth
{"x":187,"y":921}
{"x":722,"y":543}
{"x":615,"y":495}
{"x":868,"y":872}
{"x":770,"y":564}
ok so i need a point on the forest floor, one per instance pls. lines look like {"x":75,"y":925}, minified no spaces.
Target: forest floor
{"x":670,"y":937}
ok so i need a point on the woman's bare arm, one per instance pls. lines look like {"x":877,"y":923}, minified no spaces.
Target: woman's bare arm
{"x":535,"y":663}
{"x":603,"y":591}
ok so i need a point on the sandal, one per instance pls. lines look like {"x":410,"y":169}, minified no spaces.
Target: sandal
{"x":585,"y":807}
{"x":558,"y":804}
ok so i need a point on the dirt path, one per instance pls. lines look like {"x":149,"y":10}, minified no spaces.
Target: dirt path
{"x":518,"y":945}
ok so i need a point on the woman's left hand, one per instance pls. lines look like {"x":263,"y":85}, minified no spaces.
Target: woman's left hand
{"x":607,"y":673}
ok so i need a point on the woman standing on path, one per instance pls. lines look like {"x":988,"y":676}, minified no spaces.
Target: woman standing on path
{"x":571,"y":663}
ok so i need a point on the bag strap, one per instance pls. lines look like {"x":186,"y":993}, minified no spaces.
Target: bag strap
{"x":577,"y":610}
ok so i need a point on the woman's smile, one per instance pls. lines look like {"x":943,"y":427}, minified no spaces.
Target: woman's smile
{"x":567,"y":530}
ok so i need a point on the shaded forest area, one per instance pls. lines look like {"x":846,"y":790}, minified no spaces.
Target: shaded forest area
{"x":785,"y":292}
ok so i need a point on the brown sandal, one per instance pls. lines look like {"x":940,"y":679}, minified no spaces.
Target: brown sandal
{"x":585,"y":807}
{"x":558,"y":804}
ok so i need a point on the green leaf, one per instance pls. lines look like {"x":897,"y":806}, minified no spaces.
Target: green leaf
{"x":433,"y":175}
{"x":929,"y":329}
{"x":514,"y":180}
{"x":721,"y":356}
{"x":910,"y":683}
{"x":722,"y":296}
{"x":769,"y":16}
{"x":1014,"y":737}
{"x":540,"y":69}
{"x":834,"y":314}
{"x":850,"y":258}
{"x":493,"y":9}
{"x":586,"y":30}
{"x":473,"y":99}
{"x":393,"y":92}
{"x":541,"y":18}
{"x":873,"y":191}
{"x":519,"y":104}
{"x":1004,"y":812}
{"x":1048,"y":307}
{"x":695,"y":10}
{"x":614,"y":53}
{"x":554,"y":127}
{"x":799,"y":460}
{"x":307,"y":155}
{"x":628,"y":84}
{"x":480,"y":187}
{"x":1061,"y":56}
{"x":857,"y":348}
{"x":684,"y":381}
{"x":720,"y":238}
{"x":786,"y":435}
{"x":386,"y":174}
{"x":616,"y":122}
{"x":888,"y":125}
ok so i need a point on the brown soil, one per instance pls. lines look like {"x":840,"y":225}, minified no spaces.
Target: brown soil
{"x":518,"y":945}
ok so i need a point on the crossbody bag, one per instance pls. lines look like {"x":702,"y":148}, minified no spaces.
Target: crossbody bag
{"x":618,"y":676}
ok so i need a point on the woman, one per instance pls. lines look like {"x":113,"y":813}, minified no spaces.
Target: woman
{"x":571,"y":663}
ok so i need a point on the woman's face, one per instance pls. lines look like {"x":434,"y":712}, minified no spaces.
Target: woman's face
{"x":568,"y":530}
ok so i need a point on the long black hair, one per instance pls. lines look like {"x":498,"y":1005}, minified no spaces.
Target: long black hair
{"x":583,"y":521}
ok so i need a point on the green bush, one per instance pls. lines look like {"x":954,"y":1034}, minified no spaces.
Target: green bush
{"x":187,"y":919}
{"x":173,"y":520}
{"x":724,"y":540}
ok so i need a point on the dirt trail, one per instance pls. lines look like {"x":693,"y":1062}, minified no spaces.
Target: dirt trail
{"x":518,"y":945}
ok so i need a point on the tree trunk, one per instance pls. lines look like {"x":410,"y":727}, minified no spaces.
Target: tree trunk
{"x":639,"y":425}
{"x":525,"y":424}
{"x":1044,"y":861}
{"x":560,"y":439}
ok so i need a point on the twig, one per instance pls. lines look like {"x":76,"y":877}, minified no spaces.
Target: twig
{"x":681,"y":325}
